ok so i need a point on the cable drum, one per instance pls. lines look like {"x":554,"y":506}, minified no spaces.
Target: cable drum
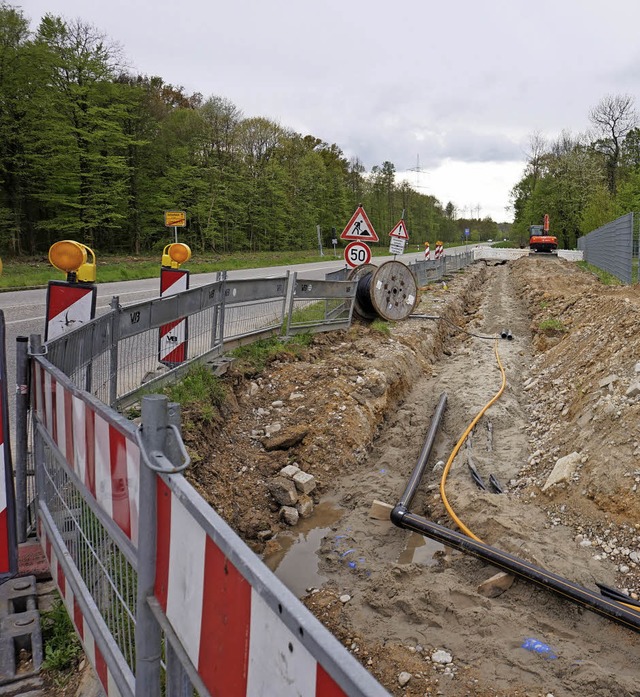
{"x":388,"y":291}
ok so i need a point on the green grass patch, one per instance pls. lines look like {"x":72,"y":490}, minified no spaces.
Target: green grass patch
{"x":382,"y":326}
{"x":604,"y":277}
{"x":201,"y":389}
{"x":62,"y":648}
{"x":253,"y":358}
{"x":21,"y":273}
{"x":552,"y":324}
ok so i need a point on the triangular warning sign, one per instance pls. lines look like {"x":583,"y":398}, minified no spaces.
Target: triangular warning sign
{"x":400,"y":230}
{"x":359,"y":228}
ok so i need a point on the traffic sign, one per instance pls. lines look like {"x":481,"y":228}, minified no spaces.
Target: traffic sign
{"x":357,"y":253}
{"x":396,"y":246}
{"x":359,"y":228}
{"x":175,"y":218}
{"x":400,"y":231}
{"x":466,"y":232}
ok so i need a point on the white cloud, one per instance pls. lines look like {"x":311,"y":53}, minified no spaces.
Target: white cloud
{"x":469,"y":185}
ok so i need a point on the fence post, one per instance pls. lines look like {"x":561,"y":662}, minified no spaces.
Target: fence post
{"x":113,"y":358}
{"x":223,"y":291}
{"x":287,"y":306}
{"x":177,"y":682}
{"x":154,"y":430}
{"x":22,"y":435}
{"x":37,"y":349}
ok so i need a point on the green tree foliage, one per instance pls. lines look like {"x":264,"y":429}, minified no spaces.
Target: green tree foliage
{"x":581,"y":181}
{"x":93,"y":153}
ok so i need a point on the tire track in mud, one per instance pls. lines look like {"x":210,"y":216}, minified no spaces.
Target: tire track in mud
{"x":434,"y":603}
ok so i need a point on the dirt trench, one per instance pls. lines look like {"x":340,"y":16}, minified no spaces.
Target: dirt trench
{"x":356,"y":407}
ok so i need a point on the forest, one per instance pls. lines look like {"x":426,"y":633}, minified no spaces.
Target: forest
{"x":92,"y":152}
{"x":581,"y":180}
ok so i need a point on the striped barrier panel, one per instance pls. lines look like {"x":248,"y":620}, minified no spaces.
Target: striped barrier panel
{"x":100,"y":451}
{"x":427,"y":252}
{"x":94,"y":635}
{"x":69,"y":305}
{"x":243,"y":631}
{"x":439,"y":250}
{"x":173,"y":338}
{"x":8,"y":538}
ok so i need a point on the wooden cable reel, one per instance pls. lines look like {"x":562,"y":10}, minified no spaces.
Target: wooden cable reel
{"x":389,"y":291}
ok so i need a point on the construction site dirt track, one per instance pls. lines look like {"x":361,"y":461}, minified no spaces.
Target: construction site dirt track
{"x":353,"y":410}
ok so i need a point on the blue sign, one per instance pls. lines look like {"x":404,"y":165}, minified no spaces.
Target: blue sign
{"x":466,"y":232}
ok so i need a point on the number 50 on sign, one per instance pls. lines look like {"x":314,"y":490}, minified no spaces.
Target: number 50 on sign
{"x":357,"y":253}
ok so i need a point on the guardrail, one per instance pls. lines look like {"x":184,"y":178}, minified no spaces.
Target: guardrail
{"x":115,"y":357}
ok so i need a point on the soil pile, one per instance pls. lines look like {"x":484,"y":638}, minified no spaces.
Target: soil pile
{"x":353,"y":410}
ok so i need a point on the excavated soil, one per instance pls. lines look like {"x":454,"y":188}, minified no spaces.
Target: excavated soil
{"x":353,"y":410}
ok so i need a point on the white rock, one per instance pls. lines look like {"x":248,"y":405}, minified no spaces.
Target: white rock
{"x":633,"y":391}
{"x":345,"y":598}
{"x":563,"y":470}
{"x":272,"y":428}
{"x":277,"y":404}
{"x":296,"y":395}
{"x":289,"y":471}
{"x":441,"y":656}
{"x":404,"y":678}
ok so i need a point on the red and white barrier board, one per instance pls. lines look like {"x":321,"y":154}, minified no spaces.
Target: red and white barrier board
{"x":427,"y":253}
{"x":8,"y":540}
{"x":172,"y":349}
{"x":439,"y":250}
{"x":236,"y":642}
{"x":105,"y":458}
{"x":69,"y":305}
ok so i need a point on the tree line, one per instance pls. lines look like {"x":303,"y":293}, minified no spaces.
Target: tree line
{"x":91,"y":152}
{"x":582,"y":180}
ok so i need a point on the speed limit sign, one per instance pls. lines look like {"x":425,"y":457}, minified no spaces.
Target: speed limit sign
{"x":356,"y":253}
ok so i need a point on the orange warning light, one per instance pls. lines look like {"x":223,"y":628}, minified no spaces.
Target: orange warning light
{"x":71,"y":257}
{"x":175,"y":254}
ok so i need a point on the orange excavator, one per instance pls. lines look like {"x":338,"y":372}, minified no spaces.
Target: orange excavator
{"x":540,"y":240}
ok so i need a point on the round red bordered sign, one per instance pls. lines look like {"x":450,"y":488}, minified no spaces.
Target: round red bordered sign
{"x":357,"y":253}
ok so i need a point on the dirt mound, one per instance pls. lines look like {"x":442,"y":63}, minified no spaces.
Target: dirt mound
{"x":353,"y":411}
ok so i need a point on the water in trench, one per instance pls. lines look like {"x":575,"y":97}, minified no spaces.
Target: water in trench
{"x":421,"y":550}
{"x":296,"y":562}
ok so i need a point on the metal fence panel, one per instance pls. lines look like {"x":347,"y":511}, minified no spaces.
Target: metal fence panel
{"x":317,"y":305}
{"x":610,"y":248}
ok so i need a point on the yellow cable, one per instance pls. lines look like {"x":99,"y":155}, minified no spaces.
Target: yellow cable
{"x":459,"y":444}
{"x":455,"y":451}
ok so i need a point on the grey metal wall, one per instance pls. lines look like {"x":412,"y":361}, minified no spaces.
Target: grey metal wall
{"x":611,"y":248}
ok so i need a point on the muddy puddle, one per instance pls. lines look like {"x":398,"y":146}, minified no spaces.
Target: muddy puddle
{"x":295,"y":563}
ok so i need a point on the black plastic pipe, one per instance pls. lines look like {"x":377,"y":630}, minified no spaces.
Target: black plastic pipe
{"x":571,"y":591}
{"x":400,"y":516}
{"x":418,"y":470}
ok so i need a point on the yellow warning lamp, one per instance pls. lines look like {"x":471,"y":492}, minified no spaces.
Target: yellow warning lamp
{"x":71,"y":257}
{"x":175,"y":254}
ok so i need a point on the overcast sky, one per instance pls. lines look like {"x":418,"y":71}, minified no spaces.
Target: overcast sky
{"x":458,"y":85}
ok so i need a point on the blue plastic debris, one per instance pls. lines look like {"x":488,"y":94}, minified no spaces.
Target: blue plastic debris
{"x":353,"y":564}
{"x":349,"y":551}
{"x":540,"y":647}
